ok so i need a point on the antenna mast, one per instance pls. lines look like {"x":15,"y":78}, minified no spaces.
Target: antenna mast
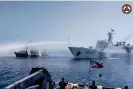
{"x":69,"y":42}
{"x":110,"y":37}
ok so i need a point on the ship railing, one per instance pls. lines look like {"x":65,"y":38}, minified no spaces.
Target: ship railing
{"x":26,"y":81}
{"x":33,"y":87}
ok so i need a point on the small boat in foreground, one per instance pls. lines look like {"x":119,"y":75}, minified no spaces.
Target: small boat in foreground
{"x":39,"y":78}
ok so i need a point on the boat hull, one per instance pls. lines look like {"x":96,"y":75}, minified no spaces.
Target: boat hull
{"x":80,"y":52}
{"x":34,"y":56}
{"x":39,"y":78}
{"x":25,"y":55}
{"x":116,"y":54}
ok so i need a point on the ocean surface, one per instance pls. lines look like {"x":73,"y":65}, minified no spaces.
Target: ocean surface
{"x":115,"y":73}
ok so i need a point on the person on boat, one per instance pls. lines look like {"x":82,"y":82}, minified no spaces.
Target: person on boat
{"x":62,"y":84}
{"x":126,"y":87}
{"x":93,"y":86}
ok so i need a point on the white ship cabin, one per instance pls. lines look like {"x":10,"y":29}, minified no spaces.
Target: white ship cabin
{"x":108,"y":44}
{"x":102,"y":44}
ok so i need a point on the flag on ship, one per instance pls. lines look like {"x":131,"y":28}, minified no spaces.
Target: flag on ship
{"x":112,"y":30}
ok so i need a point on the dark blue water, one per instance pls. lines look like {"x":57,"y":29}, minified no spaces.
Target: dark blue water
{"x":116,"y":72}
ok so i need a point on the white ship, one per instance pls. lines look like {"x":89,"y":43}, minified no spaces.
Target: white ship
{"x":104,"y":49}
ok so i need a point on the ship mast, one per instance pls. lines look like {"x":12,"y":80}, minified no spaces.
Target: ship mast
{"x":69,"y":42}
{"x":110,"y":37}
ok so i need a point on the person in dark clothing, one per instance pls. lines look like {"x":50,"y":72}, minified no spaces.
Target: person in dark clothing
{"x":126,"y":87}
{"x":62,"y":84}
{"x":53,"y":85}
{"x":93,"y":86}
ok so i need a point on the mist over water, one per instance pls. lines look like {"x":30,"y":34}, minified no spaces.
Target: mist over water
{"x":51,"y":48}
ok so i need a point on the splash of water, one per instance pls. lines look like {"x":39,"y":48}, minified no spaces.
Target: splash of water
{"x":49,"y":47}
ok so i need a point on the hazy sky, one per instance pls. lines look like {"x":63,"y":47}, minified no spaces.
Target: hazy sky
{"x":85,"y":22}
